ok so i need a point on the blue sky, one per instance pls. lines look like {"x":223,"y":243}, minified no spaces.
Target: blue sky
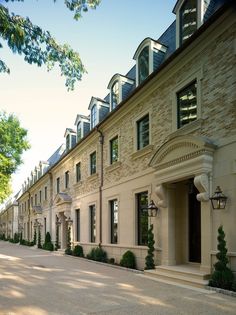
{"x":106,"y":39}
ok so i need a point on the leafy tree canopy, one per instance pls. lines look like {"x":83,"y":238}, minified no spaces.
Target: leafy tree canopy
{"x":38,"y":46}
{"x":13,"y":143}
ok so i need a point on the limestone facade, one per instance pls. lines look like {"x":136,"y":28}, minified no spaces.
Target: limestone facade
{"x":176,"y":164}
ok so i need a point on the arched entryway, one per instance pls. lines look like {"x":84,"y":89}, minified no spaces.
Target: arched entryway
{"x":183,"y":167}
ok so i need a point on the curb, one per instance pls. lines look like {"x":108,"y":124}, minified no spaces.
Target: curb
{"x":223,"y":291}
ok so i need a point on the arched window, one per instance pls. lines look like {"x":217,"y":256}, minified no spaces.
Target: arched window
{"x":114,"y":94}
{"x":93,"y":116}
{"x":79,"y":131}
{"x":188,"y":19}
{"x":143,"y":64}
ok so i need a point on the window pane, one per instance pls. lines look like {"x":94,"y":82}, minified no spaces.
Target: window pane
{"x":78,"y":172}
{"x":143,"y":65}
{"x":188,"y":19}
{"x":187,"y":105}
{"x":67,"y":179}
{"x":114,"y":221}
{"x":142,"y":203}
{"x":93,"y":163}
{"x":143,"y":132}
{"x":114,"y":95}
{"x":67,"y":142}
{"x":77,"y":225}
{"x":92,"y":223}
{"x":94,"y":116}
{"x":79,"y":131}
{"x":58,"y":185}
{"x":114,"y":150}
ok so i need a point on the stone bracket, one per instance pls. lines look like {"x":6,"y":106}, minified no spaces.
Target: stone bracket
{"x":202,"y":184}
{"x":160,"y":191}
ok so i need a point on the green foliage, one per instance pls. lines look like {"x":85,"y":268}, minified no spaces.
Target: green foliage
{"x":38,"y":46}
{"x":97,"y":254}
{"x":149,"y":260}
{"x":111,"y":261}
{"x":78,"y":251}
{"x":16,"y":238}
{"x":222,"y":276}
{"x":57,"y":238}
{"x":2,"y":237}
{"x":35,"y":237}
{"x":26,"y":243}
{"x":13,"y":143}
{"x":128,"y":260}
{"x":48,"y":245}
{"x":39,"y":238}
{"x":68,"y":250}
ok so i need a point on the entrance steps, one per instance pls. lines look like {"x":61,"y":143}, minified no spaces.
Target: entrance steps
{"x":183,"y":274}
{"x":59,"y":252}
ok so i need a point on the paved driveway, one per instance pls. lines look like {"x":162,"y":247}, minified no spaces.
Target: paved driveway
{"x":36,"y":282}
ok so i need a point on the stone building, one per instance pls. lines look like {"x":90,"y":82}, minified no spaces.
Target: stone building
{"x":165,"y":132}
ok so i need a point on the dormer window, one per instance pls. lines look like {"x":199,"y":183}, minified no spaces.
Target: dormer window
{"x":187,"y":19}
{"x":79,"y":131}
{"x":149,"y":56}
{"x":82,"y":124}
{"x":190,"y":15}
{"x":67,"y":142}
{"x":120,"y":87}
{"x":70,"y":136}
{"x":114,"y":95}
{"x":143,"y":64}
{"x":99,"y":109}
{"x":93,"y":116}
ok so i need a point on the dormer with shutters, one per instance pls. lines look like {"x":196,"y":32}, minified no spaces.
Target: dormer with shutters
{"x":99,"y":109}
{"x":120,"y":87}
{"x":190,"y":15}
{"x":70,"y":136}
{"x":149,"y":56}
{"x":82,"y":124}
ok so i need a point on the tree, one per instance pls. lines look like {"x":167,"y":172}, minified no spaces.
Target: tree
{"x":222,"y":276}
{"x":150,"y":256}
{"x":38,"y":46}
{"x":13,"y":143}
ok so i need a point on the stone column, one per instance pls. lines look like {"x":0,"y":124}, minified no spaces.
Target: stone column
{"x":166,"y":195}
{"x":202,"y":184}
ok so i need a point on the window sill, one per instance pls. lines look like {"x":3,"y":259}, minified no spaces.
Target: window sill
{"x":146,"y":150}
{"x":189,"y":128}
{"x":78,"y":184}
{"x":92,"y":177}
{"x":113,"y":166}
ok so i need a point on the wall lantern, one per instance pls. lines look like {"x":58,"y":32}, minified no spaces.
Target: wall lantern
{"x":152,"y":209}
{"x":218,"y":200}
{"x":69,"y":221}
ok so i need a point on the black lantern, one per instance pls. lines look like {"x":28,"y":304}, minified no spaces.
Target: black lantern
{"x":152,"y":209}
{"x":218,"y":200}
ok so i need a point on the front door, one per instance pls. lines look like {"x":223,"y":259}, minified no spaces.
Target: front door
{"x":194,"y":225}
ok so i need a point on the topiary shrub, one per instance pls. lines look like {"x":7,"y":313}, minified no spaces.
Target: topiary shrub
{"x":111,"y":261}
{"x":78,"y":251}
{"x":128,"y":260}
{"x":35,"y":237}
{"x":39,"y":238}
{"x":150,"y":256}
{"x":222,"y":277}
{"x":48,"y":245}
{"x":16,"y":238}
{"x":68,"y":250}
{"x":97,"y":254}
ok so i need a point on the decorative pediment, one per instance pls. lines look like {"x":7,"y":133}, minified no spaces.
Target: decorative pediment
{"x":180,"y":149}
{"x":37,"y":209}
{"x":62,"y":198}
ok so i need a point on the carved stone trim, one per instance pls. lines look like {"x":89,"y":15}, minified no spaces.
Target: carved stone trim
{"x":160,"y":191}
{"x":202,"y":184}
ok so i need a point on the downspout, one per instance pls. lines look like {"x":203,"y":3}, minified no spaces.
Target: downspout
{"x":50,"y":201}
{"x":101,"y":142}
{"x":29,"y":204}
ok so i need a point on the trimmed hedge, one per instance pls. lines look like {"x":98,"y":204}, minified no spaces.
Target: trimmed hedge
{"x":128,"y":260}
